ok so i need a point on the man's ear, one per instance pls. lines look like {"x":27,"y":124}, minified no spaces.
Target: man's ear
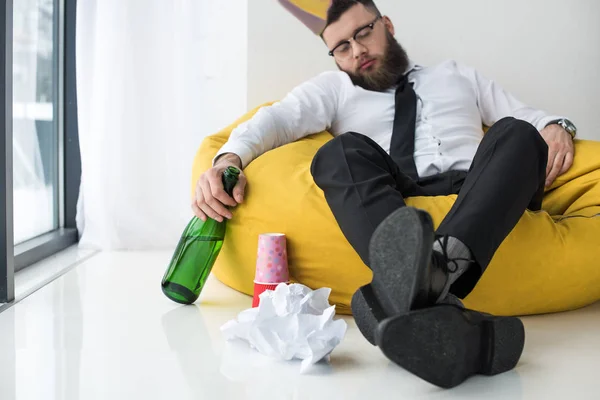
{"x":388,"y":25}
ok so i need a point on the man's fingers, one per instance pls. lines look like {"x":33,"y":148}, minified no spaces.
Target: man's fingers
{"x":551,"y":158}
{"x":568,"y":163}
{"x":218,"y":192}
{"x":211,"y":207}
{"x":198,"y":212}
{"x":556,"y":168}
{"x":199,"y":199}
{"x":211,"y":199}
{"x":239,"y":189}
{"x":210,"y":213}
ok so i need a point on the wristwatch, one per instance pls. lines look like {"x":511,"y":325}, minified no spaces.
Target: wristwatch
{"x":566,"y":125}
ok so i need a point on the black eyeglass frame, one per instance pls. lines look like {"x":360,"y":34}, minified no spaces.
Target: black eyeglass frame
{"x":371,"y":26}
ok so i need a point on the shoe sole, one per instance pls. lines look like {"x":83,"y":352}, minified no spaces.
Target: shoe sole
{"x":396,"y":256}
{"x":444,"y":345}
{"x":367,"y":313}
{"x":400,"y":247}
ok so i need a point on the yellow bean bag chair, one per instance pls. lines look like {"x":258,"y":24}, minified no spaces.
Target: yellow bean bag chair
{"x":550,"y":262}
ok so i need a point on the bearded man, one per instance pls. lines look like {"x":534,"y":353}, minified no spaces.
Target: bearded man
{"x":402,"y":130}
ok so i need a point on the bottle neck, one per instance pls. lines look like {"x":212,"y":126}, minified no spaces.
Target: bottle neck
{"x":230,"y":179}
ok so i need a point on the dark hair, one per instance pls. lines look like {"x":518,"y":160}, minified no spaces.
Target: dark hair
{"x":339,"y":7}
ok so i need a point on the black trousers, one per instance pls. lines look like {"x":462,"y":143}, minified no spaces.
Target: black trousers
{"x":363,"y":185}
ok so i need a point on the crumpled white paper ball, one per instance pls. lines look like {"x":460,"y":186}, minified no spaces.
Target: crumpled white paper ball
{"x":292,"y":321}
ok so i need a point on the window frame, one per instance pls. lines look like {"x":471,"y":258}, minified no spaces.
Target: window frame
{"x":15,"y":258}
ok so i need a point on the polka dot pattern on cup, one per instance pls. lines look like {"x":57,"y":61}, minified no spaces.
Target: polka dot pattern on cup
{"x":271,"y":260}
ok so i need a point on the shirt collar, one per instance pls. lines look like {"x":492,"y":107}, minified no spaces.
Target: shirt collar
{"x":412,"y":67}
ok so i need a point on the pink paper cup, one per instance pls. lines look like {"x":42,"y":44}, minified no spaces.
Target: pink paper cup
{"x":271,"y":259}
{"x":271,"y":263}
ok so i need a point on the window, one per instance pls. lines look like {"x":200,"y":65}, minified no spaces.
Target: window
{"x":35,"y":119}
{"x":41,"y":167}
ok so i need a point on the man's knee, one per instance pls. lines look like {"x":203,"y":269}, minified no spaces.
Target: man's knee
{"x":334,"y":151}
{"x":522,"y":136}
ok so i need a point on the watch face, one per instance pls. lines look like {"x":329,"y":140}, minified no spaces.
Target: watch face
{"x":569,"y":126}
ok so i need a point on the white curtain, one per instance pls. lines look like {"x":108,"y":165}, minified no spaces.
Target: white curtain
{"x":154,"y":78}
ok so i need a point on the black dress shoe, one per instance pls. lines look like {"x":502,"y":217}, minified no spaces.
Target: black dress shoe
{"x":406,"y":273}
{"x":445,"y":345}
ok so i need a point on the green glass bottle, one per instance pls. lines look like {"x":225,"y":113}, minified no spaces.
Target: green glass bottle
{"x":196,"y":252}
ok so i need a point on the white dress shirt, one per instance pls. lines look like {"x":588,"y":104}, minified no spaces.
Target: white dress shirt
{"x":453,"y":101}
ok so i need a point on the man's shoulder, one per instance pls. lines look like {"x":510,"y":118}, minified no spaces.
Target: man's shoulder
{"x":450,"y":66}
{"x":331,"y":77}
{"x":327,"y":80}
{"x":447,"y":64}
{"x":332,"y":73}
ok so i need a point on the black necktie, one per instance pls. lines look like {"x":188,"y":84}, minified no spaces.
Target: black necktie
{"x":402,"y":146}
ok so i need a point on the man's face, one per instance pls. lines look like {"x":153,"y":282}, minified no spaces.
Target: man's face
{"x":374,"y":61}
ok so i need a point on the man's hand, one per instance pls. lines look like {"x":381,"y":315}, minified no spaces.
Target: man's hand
{"x":560,"y":151}
{"x":211,"y":199}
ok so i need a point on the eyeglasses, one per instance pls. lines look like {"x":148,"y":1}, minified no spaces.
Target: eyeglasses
{"x":363,"y":36}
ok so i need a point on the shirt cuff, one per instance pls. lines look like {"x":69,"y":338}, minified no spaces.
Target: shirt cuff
{"x":546,"y":120}
{"x":239,"y":150}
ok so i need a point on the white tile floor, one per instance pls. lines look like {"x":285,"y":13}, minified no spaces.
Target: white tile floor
{"x":104,"y":330}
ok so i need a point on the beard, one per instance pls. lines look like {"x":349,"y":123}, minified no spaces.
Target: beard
{"x":392,"y":66}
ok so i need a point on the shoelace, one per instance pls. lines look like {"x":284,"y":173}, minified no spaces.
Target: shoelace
{"x":443,"y":241}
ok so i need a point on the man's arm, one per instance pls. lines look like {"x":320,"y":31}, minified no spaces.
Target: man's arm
{"x":228,"y":158}
{"x":496,"y":103}
{"x":310,"y":108}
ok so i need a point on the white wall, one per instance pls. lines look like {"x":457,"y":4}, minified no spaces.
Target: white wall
{"x":282,"y":52}
{"x":154,"y":78}
{"x":222,"y":57}
{"x":547,"y":52}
